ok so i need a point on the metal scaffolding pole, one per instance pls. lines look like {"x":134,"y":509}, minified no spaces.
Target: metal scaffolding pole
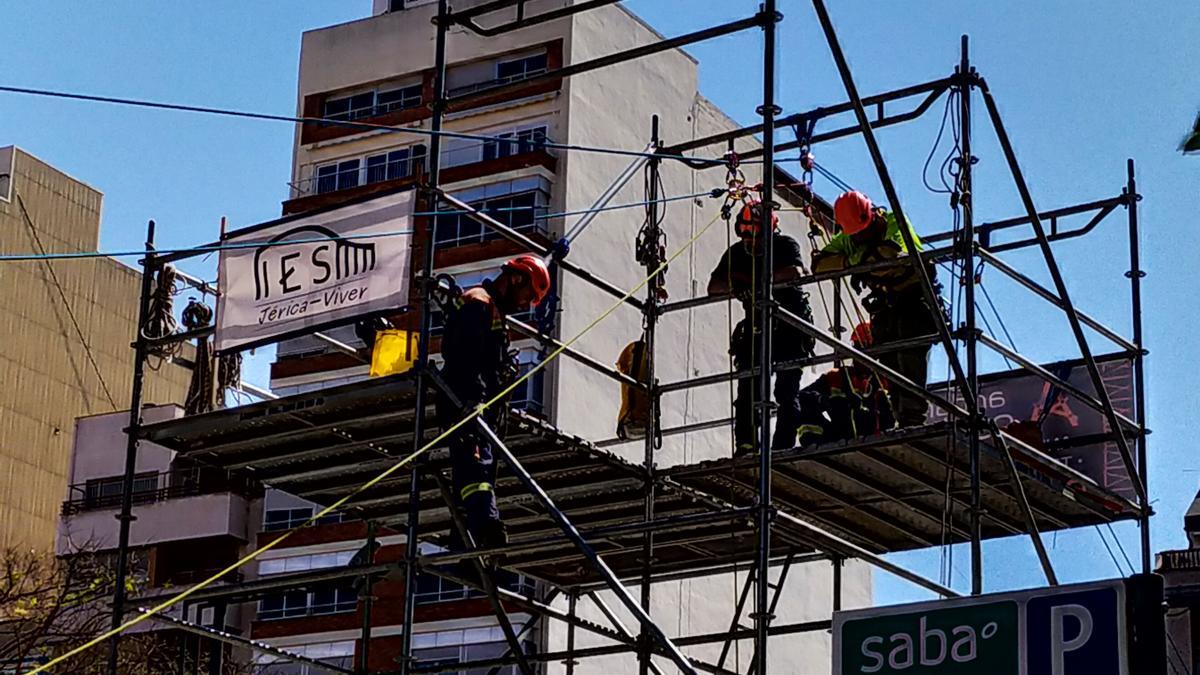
{"x":126,"y":517}
{"x":367,"y":596}
{"x":652,"y":259}
{"x":1135,"y":275}
{"x":411,"y":547}
{"x":966,"y":202}
{"x":765,"y":291}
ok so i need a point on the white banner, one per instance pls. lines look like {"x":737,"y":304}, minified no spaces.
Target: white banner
{"x":314,"y":270}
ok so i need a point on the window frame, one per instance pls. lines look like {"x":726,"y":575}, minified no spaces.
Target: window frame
{"x":526,"y":72}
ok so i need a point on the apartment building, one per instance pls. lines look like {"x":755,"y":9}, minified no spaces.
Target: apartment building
{"x":1181,"y":574}
{"x":66,"y":326}
{"x":379,"y":70}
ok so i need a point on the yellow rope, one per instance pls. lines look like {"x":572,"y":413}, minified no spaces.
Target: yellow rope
{"x":167,"y":604}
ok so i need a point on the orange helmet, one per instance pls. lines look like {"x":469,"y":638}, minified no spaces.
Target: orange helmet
{"x":862,"y":337}
{"x":535,"y":271}
{"x":749,"y":220}
{"x":853,"y":211}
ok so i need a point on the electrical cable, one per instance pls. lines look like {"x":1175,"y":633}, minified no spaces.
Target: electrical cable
{"x":1108,"y":548}
{"x":360,"y":126}
{"x":24,"y":257}
{"x":253,"y":555}
{"x":62,"y":294}
{"x":1121,"y":548}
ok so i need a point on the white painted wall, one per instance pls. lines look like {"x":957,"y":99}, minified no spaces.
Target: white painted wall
{"x":100,"y":442}
{"x":612,"y":108}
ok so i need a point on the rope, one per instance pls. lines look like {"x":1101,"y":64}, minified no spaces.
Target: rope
{"x":170,"y":602}
{"x":160,"y":317}
{"x":62,"y":294}
{"x":200,"y":389}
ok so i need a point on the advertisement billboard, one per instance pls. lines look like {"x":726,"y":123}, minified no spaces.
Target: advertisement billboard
{"x":1055,"y":422}
{"x":297,"y":275}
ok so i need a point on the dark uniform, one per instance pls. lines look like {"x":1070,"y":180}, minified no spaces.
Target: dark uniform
{"x":844,"y":404}
{"x":898,"y":311}
{"x":476,"y":367}
{"x":742,"y":270}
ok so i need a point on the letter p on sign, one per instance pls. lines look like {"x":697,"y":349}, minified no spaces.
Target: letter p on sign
{"x":1060,"y":644}
{"x":1075,"y":634}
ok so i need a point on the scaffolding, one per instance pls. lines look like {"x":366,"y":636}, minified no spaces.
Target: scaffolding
{"x":590,"y":520}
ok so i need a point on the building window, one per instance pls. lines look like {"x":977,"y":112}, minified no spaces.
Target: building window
{"x":283,"y":605}
{"x":517,"y":204}
{"x":398,"y":99}
{"x":514,"y":143}
{"x":349,"y":173}
{"x":338,"y":176}
{"x":520,"y":69}
{"x":432,"y":589}
{"x":529,"y":395}
{"x":275,"y":520}
{"x":394,"y":164}
{"x":334,"y":598}
{"x":372,"y":103}
{"x":304,"y":563}
{"x":449,"y":656}
{"x":104,"y":492}
{"x":339,"y":654}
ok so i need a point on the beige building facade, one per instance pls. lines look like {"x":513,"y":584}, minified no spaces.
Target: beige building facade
{"x":66,"y":327}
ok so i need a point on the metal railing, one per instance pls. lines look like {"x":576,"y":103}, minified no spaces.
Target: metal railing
{"x":487,"y":84}
{"x":1180,"y":560}
{"x":168,"y":485}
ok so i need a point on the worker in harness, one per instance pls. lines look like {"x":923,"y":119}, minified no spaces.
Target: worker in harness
{"x":477,"y":365}
{"x":895,"y":302}
{"x":847,"y":402}
{"x":738,"y":273}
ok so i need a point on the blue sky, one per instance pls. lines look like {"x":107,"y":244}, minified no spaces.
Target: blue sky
{"x":1081,"y":89}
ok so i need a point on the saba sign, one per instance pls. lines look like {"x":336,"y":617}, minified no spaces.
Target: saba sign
{"x":300,"y":274}
{"x":1066,"y":630}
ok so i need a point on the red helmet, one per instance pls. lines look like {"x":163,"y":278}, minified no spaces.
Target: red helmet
{"x":853,"y":211}
{"x":862,"y":337}
{"x":535,"y":271}
{"x":749,"y":219}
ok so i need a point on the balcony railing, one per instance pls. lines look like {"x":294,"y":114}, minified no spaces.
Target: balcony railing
{"x":1181,"y":560}
{"x":106,"y":493}
{"x":487,"y":84}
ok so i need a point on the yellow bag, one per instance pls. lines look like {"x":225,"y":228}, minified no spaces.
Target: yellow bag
{"x":634,"y":417}
{"x":395,"y":352}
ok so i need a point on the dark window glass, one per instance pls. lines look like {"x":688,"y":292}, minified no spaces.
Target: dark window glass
{"x":326,"y":178}
{"x":398,"y":99}
{"x":347,"y":174}
{"x":519,"y":69}
{"x":377,"y":166}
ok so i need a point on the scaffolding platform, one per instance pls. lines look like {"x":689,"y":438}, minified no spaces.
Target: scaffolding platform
{"x":883,"y":494}
{"x":888,"y":493}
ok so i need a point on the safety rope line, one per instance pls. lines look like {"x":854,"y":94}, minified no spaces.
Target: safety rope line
{"x":249,"y":557}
